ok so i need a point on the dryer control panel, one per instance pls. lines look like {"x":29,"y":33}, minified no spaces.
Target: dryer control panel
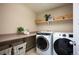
{"x":71,"y":35}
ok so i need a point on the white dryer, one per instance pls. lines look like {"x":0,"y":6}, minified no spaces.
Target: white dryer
{"x":62,"y":43}
{"x":44,"y":43}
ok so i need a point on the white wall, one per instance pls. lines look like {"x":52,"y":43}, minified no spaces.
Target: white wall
{"x":59,"y":26}
{"x":14,"y":15}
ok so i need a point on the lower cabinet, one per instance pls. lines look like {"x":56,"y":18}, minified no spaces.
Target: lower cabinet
{"x":19,"y":46}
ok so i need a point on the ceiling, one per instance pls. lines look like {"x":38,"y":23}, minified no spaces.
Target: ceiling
{"x":41,"y":7}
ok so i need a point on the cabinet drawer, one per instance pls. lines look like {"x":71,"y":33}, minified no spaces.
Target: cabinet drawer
{"x":30,"y":45}
{"x":6,"y":51}
{"x":19,"y":49}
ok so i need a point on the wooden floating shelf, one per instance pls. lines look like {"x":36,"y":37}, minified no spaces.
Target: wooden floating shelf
{"x":38,"y":22}
{"x":66,"y":17}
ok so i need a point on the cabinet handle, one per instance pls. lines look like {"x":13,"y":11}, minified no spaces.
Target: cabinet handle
{"x":20,"y":48}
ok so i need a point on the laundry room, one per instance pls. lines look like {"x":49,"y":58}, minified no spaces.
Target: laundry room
{"x":36,"y":29}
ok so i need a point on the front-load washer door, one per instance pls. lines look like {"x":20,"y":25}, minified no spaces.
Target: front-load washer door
{"x":63,"y":46}
{"x":42,"y":43}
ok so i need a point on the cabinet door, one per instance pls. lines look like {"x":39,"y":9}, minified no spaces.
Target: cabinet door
{"x":31,"y":42}
{"x":76,"y":27}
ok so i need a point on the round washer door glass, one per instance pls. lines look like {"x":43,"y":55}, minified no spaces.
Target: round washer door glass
{"x":42,"y":43}
{"x":63,"y":46}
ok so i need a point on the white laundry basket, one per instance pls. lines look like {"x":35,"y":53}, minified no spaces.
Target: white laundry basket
{"x":20,"y":49}
{"x":6,"y":51}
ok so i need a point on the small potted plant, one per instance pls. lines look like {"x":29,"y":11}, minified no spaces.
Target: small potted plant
{"x":47,"y":16}
{"x":20,"y":30}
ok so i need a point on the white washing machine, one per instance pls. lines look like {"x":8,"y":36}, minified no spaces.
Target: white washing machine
{"x":63,"y":43}
{"x":44,"y":43}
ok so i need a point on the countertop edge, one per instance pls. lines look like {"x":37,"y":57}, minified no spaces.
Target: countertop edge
{"x":5,"y":38}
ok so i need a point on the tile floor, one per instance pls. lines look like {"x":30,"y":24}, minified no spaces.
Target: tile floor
{"x":31,"y":52}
